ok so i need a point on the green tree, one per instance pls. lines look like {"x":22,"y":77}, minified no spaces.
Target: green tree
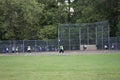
{"x":20,"y":19}
{"x":38,"y":19}
{"x":109,"y":8}
{"x":49,"y":20}
{"x":118,"y":25}
{"x":48,"y":32}
{"x":85,"y":11}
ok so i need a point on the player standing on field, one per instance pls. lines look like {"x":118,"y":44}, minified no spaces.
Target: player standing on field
{"x":61,"y":49}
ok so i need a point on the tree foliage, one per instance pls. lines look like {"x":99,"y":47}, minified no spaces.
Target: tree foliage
{"x":38,"y":19}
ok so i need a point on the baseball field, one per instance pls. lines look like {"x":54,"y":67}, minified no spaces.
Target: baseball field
{"x":60,"y":67}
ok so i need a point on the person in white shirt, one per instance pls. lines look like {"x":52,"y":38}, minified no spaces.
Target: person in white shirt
{"x":84,"y":47}
{"x":28,"y":49}
{"x":105,"y":46}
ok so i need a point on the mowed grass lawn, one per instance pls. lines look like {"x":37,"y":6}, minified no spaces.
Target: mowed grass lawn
{"x":61,"y":67}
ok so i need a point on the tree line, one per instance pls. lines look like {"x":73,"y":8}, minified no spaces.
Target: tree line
{"x":39,"y":19}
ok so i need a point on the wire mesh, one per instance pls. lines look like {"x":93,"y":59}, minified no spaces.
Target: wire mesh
{"x":72,"y":36}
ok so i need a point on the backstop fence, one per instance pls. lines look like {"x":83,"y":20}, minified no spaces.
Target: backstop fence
{"x":94,"y":35}
{"x":71,"y":36}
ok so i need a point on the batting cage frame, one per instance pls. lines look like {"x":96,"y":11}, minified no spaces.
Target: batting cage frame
{"x":74,"y":36}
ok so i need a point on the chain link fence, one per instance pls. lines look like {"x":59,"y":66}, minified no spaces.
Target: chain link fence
{"x":53,"y":45}
{"x":71,"y":36}
{"x":22,"y":45}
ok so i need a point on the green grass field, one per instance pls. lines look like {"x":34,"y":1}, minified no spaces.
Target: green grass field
{"x":61,"y":67}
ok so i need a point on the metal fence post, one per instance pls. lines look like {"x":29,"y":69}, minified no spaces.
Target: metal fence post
{"x":69,"y":40}
{"x":35,"y":46}
{"x":80,"y":38}
{"x":96,"y":36}
{"x":58,"y":39}
{"x":102,"y":39}
{"x":116,"y":46}
{"x":23,"y":46}
{"x":109,"y":39}
{"x":87,"y":36}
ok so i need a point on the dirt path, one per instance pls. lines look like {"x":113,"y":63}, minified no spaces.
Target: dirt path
{"x":77,"y":52}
